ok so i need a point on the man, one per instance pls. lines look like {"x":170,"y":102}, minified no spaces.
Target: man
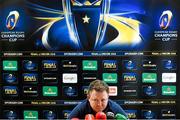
{"x":97,"y":101}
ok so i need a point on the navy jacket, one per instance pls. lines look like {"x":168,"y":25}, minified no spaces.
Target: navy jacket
{"x":84,"y":108}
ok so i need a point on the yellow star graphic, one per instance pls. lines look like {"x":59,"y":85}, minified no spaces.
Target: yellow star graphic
{"x":86,"y":19}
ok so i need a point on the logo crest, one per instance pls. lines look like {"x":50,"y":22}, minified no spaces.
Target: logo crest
{"x":165,"y":19}
{"x":12,"y":19}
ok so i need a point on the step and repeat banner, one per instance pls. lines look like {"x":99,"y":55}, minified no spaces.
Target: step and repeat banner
{"x":52,"y":49}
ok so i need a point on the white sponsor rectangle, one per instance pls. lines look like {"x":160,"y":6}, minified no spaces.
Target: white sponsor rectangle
{"x":69,"y":78}
{"x":169,"y":77}
{"x":112,"y":90}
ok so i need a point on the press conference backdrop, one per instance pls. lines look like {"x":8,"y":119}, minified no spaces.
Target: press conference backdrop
{"x":52,"y":49}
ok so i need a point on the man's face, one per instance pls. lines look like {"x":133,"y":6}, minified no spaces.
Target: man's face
{"x":98,"y":100}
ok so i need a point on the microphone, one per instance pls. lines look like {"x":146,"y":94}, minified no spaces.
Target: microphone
{"x":120,"y":117}
{"x":110,"y":115}
{"x":89,"y":117}
{"x":101,"y":116}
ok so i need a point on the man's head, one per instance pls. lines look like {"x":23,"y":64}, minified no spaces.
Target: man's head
{"x":98,"y":95}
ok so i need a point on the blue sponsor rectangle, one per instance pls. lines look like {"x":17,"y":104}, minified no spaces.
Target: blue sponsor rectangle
{"x":130,"y":64}
{"x":29,"y":65}
{"x":10,"y":78}
{"x":149,"y":114}
{"x":70,"y":91}
{"x":169,"y":64}
{"x":49,"y":115}
{"x":149,"y":91}
{"x":10,"y":114}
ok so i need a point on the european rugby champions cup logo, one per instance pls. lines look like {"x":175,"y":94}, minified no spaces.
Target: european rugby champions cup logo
{"x":12,"y":20}
{"x":165,"y":19}
{"x":84,"y":19}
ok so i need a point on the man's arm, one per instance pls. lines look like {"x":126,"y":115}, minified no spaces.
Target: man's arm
{"x":78,"y":111}
{"x":117,"y":108}
{"x":74,"y":113}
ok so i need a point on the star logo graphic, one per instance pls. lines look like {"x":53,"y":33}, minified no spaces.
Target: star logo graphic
{"x":86,"y":19}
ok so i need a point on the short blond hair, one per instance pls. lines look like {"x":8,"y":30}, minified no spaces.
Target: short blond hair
{"x":99,"y":86}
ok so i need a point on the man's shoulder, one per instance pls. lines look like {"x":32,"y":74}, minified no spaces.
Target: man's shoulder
{"x":112,"y":103}
{"x":114,"y":106}
{"x":83,"y":104}
{"x":79,"y":110}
